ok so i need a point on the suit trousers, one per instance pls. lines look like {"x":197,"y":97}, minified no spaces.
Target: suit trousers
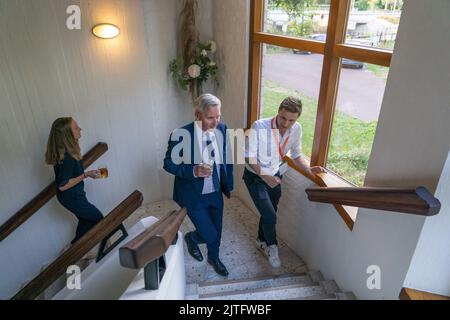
{"x":207,"y":218}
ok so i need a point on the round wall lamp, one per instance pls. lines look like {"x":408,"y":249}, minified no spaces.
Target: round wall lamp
{"x":105,"y":31}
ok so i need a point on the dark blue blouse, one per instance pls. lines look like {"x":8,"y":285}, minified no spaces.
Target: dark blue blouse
{"x":69,"y":168}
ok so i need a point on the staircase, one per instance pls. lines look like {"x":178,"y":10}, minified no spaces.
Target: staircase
{"x":303,"y":286}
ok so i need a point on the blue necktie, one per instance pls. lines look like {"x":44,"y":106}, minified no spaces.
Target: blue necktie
{"x":215,"y":174}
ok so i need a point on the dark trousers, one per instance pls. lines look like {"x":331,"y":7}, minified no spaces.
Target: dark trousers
{"x":266,"y":201}
{"x":88,"y":215}
{"x":207,"y":218}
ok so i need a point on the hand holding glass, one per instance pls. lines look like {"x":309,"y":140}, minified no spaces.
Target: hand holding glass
{"x":203,"y":170}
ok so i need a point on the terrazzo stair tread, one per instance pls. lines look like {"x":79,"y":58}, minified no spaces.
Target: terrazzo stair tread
{"x":317,"y":297}
{"x":316,"y":276}
{"x":302,"y":269}
{"x":253,"y":283}
{"x":191,"y":291}
{"x":271,"y":293}
{"x":330,"y":286}
{"x":345,"y":296}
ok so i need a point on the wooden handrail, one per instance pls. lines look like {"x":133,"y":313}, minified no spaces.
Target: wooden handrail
{"x":153,"y":242}
{"x":417,"y":201}
{"x":315,"y":179}
{"x":349,"y":198}
{"x":102,"y":229}
{"x":46,"y":195}
{"x":348,"y":214}
{"x":413,"y":294}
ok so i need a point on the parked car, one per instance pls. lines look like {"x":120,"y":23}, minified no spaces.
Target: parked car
{"x":297,"y":51}
{"x":351,"y":64}
{"x":319,"y":37}
{"x":346,"y":63}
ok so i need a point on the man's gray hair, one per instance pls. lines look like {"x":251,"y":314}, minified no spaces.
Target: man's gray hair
{"x":205,"y":101}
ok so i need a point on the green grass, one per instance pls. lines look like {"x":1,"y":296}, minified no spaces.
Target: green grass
{"x":379,"y":71}
{"x":276,"y":49}
{"x":351,"y":140}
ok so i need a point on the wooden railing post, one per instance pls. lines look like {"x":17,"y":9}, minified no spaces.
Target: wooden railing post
{"x":148,"y":248}
{"x":153,"y":242}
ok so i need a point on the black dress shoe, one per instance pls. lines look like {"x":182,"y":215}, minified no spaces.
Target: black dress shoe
{"x":193,"y":248}
{"x":218,"y":267}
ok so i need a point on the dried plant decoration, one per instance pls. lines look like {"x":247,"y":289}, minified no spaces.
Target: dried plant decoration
{"x":197,"y":65}
{"x":188,"y":32}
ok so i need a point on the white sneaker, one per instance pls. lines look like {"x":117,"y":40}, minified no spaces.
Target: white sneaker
{"x":272,"y":255}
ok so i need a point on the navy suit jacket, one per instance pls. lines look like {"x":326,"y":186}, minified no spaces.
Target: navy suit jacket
{"x":187,"y":191}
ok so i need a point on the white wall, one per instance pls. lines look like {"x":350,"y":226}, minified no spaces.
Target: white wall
{"x":429,"y":270}
{"x":231,"y":23}
{"x":120,"y":92}
{"x":231,"y":31}
{"x":410,"y":149}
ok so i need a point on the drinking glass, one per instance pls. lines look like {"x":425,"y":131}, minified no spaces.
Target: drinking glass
{"x":103,"y":171}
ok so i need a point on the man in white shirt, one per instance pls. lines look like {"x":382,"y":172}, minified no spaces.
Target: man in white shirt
{"x":269,"y":142}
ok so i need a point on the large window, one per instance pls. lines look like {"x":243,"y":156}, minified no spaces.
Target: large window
{"x":285,"y":73}
{"x":360,"y":93}
{"x":335,"y":56}
{"x":298,"y":18}
{"x":373,"y":23}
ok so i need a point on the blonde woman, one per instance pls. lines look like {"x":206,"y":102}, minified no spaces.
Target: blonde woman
{"x":63,"y":153}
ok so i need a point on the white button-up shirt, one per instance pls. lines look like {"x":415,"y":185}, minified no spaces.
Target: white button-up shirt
{"x":208,"y":185}
{"x":263,"y":145}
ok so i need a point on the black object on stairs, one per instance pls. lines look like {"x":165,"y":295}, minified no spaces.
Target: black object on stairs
{"x":103,"y":250}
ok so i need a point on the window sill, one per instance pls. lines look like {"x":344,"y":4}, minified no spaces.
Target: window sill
{"x":330,"y":179}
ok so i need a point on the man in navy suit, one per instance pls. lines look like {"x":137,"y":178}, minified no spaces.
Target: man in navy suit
{"x":197,"y":156}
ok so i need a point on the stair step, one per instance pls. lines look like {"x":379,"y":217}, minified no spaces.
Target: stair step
{"x":345,"y":296}
{"x":330,"y":286}
{"x":251,"y":284}
{"x":299,"y":291}
{"x":316,"y":276}
{"x":317,"y":297}
{"x":191,"y":291}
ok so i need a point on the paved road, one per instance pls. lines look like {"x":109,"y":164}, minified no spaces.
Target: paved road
{"x":360,"y":92}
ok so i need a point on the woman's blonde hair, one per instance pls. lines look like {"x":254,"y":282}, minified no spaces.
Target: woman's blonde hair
{"x":60,"y":141}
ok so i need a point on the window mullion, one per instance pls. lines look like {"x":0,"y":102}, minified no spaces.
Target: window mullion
{"x":255,"y":65}
{"x":337,"y":24}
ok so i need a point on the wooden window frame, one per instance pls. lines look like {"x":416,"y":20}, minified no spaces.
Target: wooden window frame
{"x":333,"y":50}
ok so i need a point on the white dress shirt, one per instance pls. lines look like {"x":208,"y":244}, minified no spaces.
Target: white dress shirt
{"x":262,"y":144}
{"x":208,"y":185}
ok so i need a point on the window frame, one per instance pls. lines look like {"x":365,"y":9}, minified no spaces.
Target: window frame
{"x":333,"y":50}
